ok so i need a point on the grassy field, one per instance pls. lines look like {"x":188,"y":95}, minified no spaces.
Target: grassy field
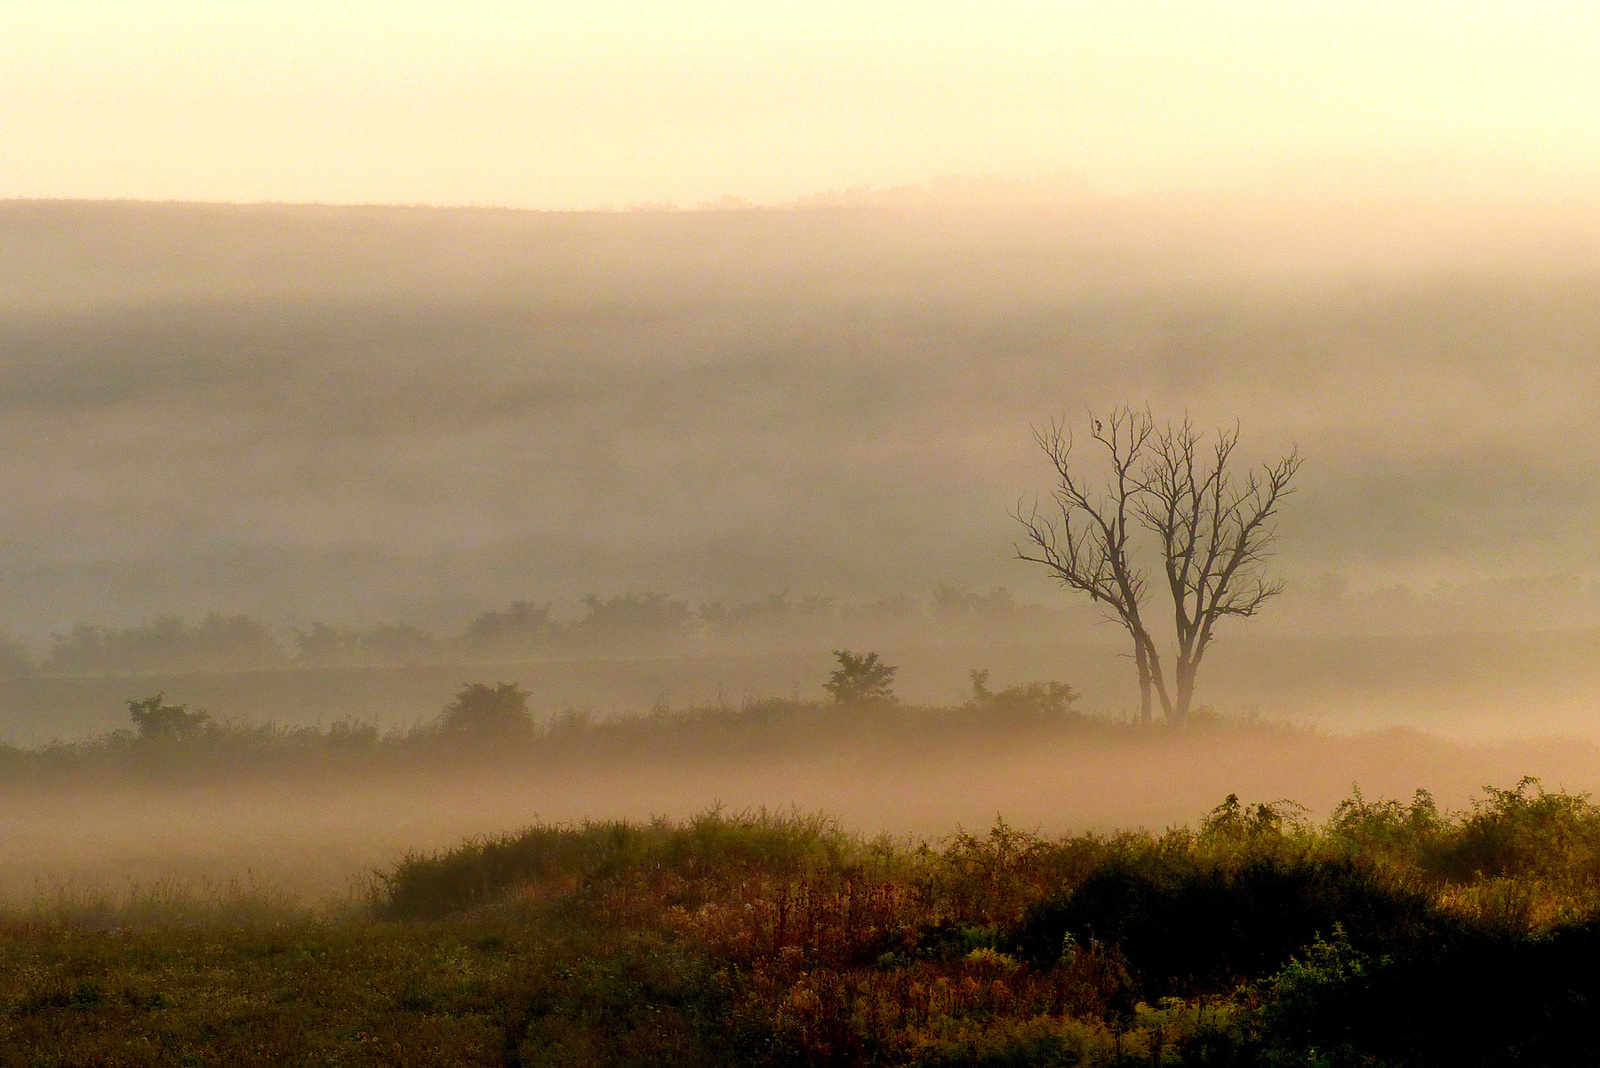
{"x":1390,"y":933}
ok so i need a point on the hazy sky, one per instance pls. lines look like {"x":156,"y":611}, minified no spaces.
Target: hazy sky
{"x":563,"y":105}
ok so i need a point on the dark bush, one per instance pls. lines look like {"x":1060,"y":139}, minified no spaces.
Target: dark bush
{"x":494,"y":713}
{"x":860,"y":679}
{"x":1036,"y":702}
{"x":158,"y":722}
{"x":1476,"y":999}
{"x":1186,"y":928}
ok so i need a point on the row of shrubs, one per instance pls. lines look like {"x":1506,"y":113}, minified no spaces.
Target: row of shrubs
{"x":1381,"y":937}
{"x":486,"y":722}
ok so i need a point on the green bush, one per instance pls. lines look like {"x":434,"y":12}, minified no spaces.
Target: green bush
{"x":1524,"y":831}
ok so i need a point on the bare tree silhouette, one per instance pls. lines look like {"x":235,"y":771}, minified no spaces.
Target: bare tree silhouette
{"x":1212,"y":524}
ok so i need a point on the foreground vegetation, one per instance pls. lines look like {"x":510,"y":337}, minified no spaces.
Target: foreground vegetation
{"x":1393,"y":934}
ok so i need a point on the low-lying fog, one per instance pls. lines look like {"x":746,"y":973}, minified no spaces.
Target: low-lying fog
{"x":324,"y":839}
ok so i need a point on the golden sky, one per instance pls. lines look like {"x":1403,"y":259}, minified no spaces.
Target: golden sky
{"x":572,"y":105}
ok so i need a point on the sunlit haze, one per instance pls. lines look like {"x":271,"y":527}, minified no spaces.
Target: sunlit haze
{"x":568,"y":105}
{"x":418,"y":419}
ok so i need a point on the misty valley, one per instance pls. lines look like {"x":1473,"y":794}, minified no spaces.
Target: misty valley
{"x":1145,"y":631}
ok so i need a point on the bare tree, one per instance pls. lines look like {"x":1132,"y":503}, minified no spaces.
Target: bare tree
{"x":1212,"y":523}
{"x":1089,"y":546}
{"x":1215,"y":527}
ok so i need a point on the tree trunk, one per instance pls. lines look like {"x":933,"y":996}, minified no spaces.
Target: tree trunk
{"x":1158,"y":682}
{"x":1187,"y":671}
{"x":1142,"y":659}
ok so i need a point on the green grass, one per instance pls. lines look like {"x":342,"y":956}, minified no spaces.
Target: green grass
{"x":288,"y":993}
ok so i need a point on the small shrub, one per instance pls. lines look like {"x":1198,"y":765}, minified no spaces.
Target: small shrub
{"x":860,"y":679}
{"x":1233,"y":823}
{"x":158,"y":722}
{"x":1036,"y":702}
{"x":488,"y":712}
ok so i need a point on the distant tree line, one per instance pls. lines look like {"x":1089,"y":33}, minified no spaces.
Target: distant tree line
{"x":494,"y":722}
{"x":165,"y":643}
{"x":629,"y":624}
